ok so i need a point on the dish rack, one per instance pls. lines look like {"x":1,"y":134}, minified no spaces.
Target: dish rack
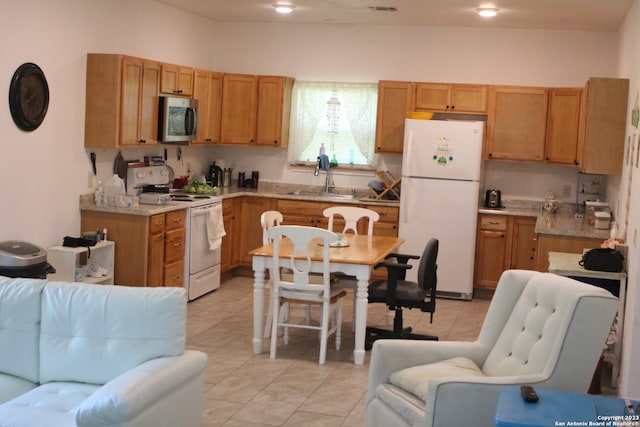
{"x":392,"y":186}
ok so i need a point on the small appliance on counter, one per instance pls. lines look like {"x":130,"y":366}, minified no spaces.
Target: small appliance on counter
{"x":493,"y":199}
{"x":155,"y":198}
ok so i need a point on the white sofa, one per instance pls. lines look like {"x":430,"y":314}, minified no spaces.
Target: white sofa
{"x":74,"y":354}
{"x":540,"y":329}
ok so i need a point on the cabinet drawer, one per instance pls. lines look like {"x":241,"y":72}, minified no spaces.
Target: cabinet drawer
{"x":174,"y":245}
{"x":387,"y":213}
{"x":493,"y":222}
{"x":175,"y":220}
{"x":302,"y":208}
{"x":173,"y":274}
{"x":156,"y":224}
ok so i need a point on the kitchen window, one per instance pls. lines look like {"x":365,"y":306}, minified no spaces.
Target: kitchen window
{"x":341,"y":117}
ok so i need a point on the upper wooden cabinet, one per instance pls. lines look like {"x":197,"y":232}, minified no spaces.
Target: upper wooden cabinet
{"x":452,"y":98}
{"x":176,"y":80}
{"x":563,"y":120}
{"x":274,"y":109}
{"x":208,"y":91}
{"x":255,"y":110}
{"x":516,"y":123}
{"x":121,"y":101}
{"x":603,"y":125}
{"x":239,"y":109}
{"x":394,"y":100}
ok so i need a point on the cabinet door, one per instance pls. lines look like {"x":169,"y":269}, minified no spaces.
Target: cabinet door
{"x":239,"y":102}
{"x":516,"y":123}
{"x":469,"y":98}
{"x":524,"y":244}
{"x":394,"y":100}
{"x":132,"y":71}
{"x":251,"y":231}
{"x":562,"y":126}
{"x":227,"y":240}
{"x":176,"y":80}
{"x":274,"y":109}
{"x":208,"y":91}
{"x":603,"y":119}
{"x":490,"y":257}
{"x":148,"y":127}
{"x":433,"y":96}
{"x":155,"y":276}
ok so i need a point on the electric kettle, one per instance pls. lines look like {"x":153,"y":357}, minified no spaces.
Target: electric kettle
{"x":493,"y":199}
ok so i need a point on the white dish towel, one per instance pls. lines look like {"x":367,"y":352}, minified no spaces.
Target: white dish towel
{"x":215,"y":227}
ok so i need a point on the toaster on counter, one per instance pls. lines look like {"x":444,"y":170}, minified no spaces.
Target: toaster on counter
{"x":154,"y":198}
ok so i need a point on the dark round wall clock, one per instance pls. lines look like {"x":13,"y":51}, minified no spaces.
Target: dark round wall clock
{"x":28,"y":96}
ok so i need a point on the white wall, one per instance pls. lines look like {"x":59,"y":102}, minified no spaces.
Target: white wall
{"x":44,"y":171}
{"x":629,"y":66}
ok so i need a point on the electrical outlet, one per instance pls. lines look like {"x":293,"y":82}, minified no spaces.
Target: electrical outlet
{"x":566,"y":191}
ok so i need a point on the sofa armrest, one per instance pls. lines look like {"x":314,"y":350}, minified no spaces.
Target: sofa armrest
{"x":472,"y":401}
{"x":131,"y":393}
{"x":388,"y":356}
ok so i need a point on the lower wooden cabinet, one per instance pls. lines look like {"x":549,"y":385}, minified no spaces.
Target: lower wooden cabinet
{"x":491,"y":250}
{"x":251,"y":231}
{"x":150,"y":249}
{"x":503,"y":242}
{"x":230,"y":249}
{"x":549,"y":243}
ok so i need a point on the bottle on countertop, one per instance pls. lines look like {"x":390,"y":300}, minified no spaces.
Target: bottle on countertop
{"x":334,"y":162}
{"x":104,"y":234}
{"x":98,"y":195}
{"x":322,"y":149}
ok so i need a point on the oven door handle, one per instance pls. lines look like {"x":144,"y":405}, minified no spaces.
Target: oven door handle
{"x":201,"y":211}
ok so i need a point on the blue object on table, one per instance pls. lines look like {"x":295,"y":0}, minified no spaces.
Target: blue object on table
{"x":559,"y":408}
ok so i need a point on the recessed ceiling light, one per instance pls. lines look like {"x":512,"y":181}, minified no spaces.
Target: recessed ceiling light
{"x":487,"y":12}
{"x":283,"y":8}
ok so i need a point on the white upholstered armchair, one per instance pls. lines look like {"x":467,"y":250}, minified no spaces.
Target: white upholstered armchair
{"x":540,"y":329}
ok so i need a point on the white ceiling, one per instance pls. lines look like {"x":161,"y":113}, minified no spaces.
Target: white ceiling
{"x":580,"y":15}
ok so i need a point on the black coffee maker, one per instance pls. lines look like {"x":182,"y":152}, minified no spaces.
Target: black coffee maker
{"x":215,"y":175}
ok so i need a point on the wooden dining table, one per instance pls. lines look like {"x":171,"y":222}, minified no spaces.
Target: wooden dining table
{"x":357,"y":259}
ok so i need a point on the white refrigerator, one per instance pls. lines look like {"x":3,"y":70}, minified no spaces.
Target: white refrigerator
{"x":440,"y":189}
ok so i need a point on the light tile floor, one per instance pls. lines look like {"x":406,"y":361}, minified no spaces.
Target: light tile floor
{"x":245,"y":389}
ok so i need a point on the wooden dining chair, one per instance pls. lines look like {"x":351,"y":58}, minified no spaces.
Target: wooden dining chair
{"x":300,"y":289}
{"x":351,"y":215}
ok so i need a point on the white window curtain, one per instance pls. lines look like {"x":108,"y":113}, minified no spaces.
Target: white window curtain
{"x":309,"y":108}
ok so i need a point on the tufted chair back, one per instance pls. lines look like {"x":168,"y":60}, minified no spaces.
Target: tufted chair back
{"x":541,"y":331}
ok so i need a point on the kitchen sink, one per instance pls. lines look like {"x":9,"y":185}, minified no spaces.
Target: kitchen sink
{"x":318,"y":194}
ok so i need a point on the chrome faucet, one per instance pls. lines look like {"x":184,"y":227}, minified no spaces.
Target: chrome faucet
{"x":323,"y":164}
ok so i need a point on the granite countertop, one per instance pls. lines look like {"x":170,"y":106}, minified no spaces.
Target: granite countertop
{"x":562,"y":223}
{"x":266,"y":189}
{"x":567,"y":225}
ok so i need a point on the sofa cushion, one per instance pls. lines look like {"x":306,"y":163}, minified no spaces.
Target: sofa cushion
{"x":11,"y":387}
{"x":416,"y":378}
{"x":93,"y":333}
{"x":20,"y":326}
{"x":52,"y":404}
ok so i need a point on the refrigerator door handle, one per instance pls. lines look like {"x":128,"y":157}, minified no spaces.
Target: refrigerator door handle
{"x":404,"y":206}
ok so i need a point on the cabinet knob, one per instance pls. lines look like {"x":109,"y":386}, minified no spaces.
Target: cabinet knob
{"x":490,"y":155}
{"x":453,"y":107}
{"x":177,"y":277}
{"x":546,"y":158}
{"x":576,"y":162}
{"x":142,"y":141}
{"x":176,"y":244}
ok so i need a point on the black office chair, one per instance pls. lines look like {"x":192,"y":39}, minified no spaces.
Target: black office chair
{"x":396,"y":292}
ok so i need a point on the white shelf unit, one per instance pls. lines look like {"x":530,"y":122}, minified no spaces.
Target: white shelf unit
{"x":65,"y":260}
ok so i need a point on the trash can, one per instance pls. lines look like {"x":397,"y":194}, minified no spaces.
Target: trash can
{"x":22,"y":259}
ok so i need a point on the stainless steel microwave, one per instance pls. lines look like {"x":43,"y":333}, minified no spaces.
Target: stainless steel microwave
{"x":178,"y":121}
